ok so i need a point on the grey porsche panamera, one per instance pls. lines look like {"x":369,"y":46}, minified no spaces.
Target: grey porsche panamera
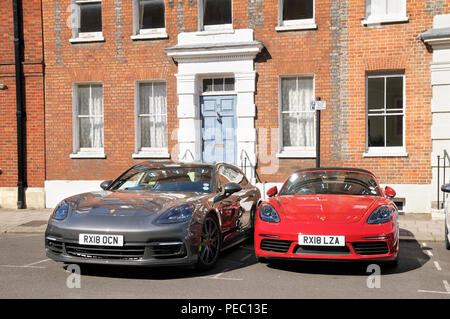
{"x":156,"y":214}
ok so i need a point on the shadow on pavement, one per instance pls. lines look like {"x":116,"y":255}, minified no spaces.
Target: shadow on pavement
{"x":411,"y":257}
{"x":234,"y":258}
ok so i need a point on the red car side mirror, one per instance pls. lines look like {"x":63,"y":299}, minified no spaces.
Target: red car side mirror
{"x":272,"y":191}
{"x":389,"y":192}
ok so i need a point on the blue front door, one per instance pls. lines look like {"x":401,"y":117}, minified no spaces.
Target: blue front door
{"x":219,"y":128}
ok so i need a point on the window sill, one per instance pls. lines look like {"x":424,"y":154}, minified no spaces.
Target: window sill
{"x":150,"y":36}
{"x":309,"y":26}
{"x":88,"y":155}
{"x":297,"y":154}
{"x":383,"y":20}
{"x":386,"y":152}
{"x":151,"y":154}
{"x":213,"y":31}
{"x":87,"y":40}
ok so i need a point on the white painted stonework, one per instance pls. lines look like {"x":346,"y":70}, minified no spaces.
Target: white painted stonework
{"x":57,"y":190}
{"x":209,"y":54}
{"x":439,"y":40}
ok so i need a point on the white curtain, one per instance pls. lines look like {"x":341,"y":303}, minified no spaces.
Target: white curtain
{"x":383,"y":8}
{"x":96,"y":109}
{"x":90,"y":114}
{"x":297,"y":117}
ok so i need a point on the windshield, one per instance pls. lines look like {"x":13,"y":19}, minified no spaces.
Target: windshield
{"x":330,"y":182}
{"x":179,"y":179}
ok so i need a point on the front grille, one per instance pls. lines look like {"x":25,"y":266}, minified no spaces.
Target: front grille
{"x":105,"y":252}
{"x":322,"y":250}
{"x":55,"y":247}
{"x":275,"y":245}
{"x":371,"y":248}
{"x":165,"y":250}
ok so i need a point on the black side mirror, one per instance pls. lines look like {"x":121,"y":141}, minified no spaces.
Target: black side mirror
{"x":104,"y":185}
{"x":445,"y":188}
{"x":228,"y":189}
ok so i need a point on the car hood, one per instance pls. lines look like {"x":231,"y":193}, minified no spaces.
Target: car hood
{"x":129,"y":203}
{"x":325,"y":208}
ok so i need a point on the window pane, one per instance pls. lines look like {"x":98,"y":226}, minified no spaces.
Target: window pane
{"x":229,"y":84}
{"x":145,"y":96}
{"x":216,"y":12}
{"x":394,"y":93}
{"x":289,"y":96}
{"x":218,"y":84}
{"x":376,"y":8}
{"x":376,"y":93}
{"x":146,"y":128}
{"x":395,"y":7}
{"x":376,"y":131}
{"x":207,"y":85}
{"x":85,"y":130}
{"x":91,"y":17}
{"x":298,"y":9}
{"x":151,"y":14}
{"x":96,"y":102}
{"x":84,"y":92}
{"x":394,"y":130}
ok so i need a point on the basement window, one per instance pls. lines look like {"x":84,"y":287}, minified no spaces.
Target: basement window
{"x":149,"y":19}
{"x":296,"y":15}
{"x":86,"y":19}
{"x":215,"y":14}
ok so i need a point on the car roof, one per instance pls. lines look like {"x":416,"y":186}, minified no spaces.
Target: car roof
{"x":335,"y":169}
{"x":168,"y":163}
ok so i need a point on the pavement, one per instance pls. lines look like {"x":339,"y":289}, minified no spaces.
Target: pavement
{"x":420,"y":227}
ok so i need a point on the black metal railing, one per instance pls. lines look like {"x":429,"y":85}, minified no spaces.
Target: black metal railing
{"x":246,"y":163}
{"x":444,"y":159}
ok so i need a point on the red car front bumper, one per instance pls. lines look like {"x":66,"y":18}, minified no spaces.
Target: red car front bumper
{"x":362,"y":241}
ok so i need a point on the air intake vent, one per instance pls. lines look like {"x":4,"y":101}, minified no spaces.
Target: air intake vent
{"x":371,"y":248}
{"x":275,"y":245}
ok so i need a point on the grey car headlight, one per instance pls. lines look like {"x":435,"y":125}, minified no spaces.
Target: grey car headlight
{"x":381,"y":215}
{"x":61,"y":212}
{"x":178,"y":214}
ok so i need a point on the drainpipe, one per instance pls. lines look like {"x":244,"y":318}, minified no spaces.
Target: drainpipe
{"x":20,"y":100}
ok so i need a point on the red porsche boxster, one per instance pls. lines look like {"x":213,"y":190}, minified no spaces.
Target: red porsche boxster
{"x":328,"y":213}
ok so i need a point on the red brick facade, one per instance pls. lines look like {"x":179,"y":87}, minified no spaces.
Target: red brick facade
{"x":34,"y":95}
{"x":339,"y":53}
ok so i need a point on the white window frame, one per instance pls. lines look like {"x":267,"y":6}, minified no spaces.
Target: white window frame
{"x":386,"y":151}
{"x":78,"y":36}
{"x":216,"y":27}
{"x":230,"y":92}
{"x":142,"y":34}
{"x":147,"y":152}
{"x":294,"y":151}
{"x":386,"y":18}
{"x":300,"y":24}
{"x":79,"y":152}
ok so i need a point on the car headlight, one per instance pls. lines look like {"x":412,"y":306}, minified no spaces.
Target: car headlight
{"x":269,"y":214}
{"x":61,"y":212}
{"x":176,"y":215}
{"x":381,"y":215}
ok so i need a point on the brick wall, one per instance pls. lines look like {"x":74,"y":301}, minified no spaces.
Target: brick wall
{"x":338,"y":53}
{"x":34,"y":95}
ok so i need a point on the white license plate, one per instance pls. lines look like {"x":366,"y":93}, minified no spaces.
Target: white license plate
{"x":100,"y":240}
{"x":320,"y":240}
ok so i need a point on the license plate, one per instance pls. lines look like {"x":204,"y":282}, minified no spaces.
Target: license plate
{"x":320,"y":240}
{"x":100,"y":240}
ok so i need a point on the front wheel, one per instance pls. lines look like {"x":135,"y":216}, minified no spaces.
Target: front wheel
{"x":210,"y":244}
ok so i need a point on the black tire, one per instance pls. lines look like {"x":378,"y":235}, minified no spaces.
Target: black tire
{"x":447,"y":242}
{"x":210,"y":244}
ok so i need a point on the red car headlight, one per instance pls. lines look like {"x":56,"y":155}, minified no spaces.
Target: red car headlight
{"x":381,"y":215}
{"x":269,"y":214}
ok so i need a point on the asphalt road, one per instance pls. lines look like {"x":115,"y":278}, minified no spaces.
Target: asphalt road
{"x":423,"y":272}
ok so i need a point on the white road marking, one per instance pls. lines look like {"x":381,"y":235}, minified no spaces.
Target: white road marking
{"x":218,"y":276}
{"x":438,"y":267}
{"x":424,"y":244}
{"x":429,"y":253}
{"x":435,"y":292}
{"x":18,"y":266}
{"x":446,"y":285}
{"x":37,"y":262}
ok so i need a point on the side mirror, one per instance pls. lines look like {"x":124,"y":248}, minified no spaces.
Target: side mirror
{"x":389,"y":192}
{"x":445,"y":188}
{"x":104,"y":185}
{"x":272,"y":191}
{"x":231,"y":188}
{"x":228,"y":189}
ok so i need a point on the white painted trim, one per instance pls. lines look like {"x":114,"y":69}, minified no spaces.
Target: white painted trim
{"x":148,"y":36}
{"x":386,"y":152}
{"x":306,"y":26}
{"x":383,"y":20}
{"x":98,"y":38}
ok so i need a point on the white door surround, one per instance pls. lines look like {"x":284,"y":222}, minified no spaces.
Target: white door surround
{"x":204,"y":54}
